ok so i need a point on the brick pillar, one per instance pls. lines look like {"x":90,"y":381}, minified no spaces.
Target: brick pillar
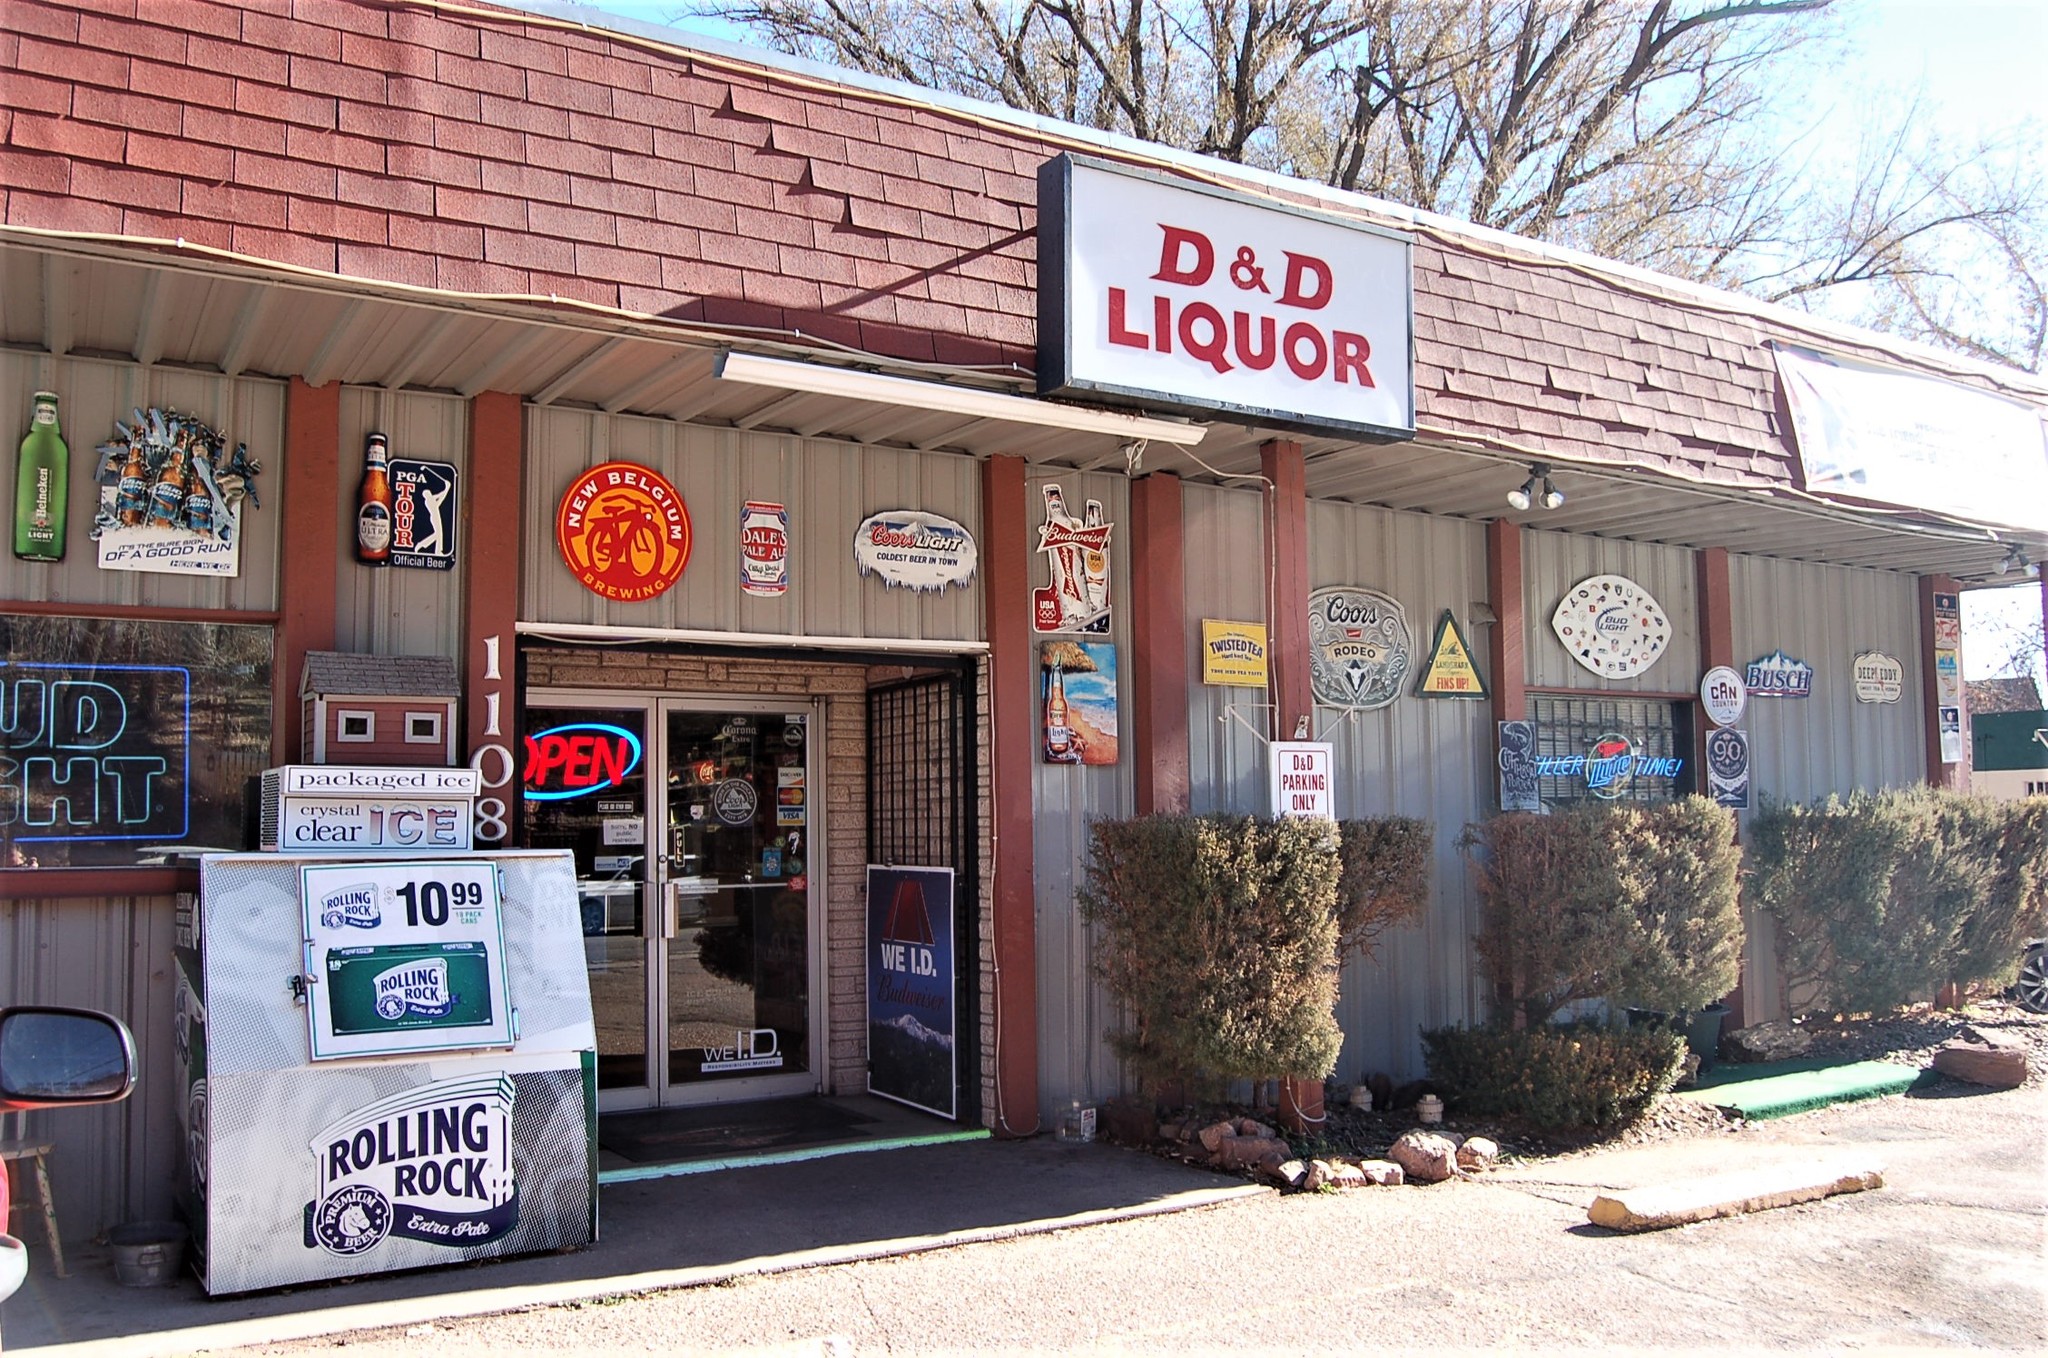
{"x":1504,"y":648}
{"x":490,"y":603}
{"x":1715,"y":595}
{"x":1159,"y":659}
{"x":1013,"y":727}
{"x":309,"y":568}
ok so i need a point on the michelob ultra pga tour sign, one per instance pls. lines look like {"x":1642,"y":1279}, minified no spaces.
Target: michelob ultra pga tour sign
{"x":1176,"y":294}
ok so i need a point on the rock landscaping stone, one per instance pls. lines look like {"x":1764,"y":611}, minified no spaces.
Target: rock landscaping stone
{"x":1773,"y":1041}
{"x":1318,"y":1176}
{"x":1212,"y":1136}
{"x":1344,"y":1174}
{"x":1425,"y":1157}
{"x":1984,"y":1058}
{"x":1382,"y":1172}
{"x":1249,"y":1127}
{"x":1242,"y":1152}
{"x":1477,"y":1153}
{"x":1286,"y":1173}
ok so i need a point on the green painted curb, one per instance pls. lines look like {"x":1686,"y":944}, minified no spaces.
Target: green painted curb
{"x":1785,"y":1092}
{"x":636,"y":1173}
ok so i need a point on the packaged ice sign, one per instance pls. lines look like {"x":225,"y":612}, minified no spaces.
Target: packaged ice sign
{"x":433,"y":1164}
{"x":916,"y":550}
{"x":94,"y":752}
{"x":1177,"y":294}
{"x":578,"y":759}
{"x":404,"y":957}
{"x":322,"y":808}
{"x":1301,"y":780}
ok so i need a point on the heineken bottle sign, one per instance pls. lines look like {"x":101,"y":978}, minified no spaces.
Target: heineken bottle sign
{"x":406,"y":957}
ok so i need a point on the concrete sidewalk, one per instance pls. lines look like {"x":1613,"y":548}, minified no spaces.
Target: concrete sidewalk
{"x":666,"y":1233}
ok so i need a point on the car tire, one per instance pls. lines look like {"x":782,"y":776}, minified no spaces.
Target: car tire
{"x":2031,"y":989}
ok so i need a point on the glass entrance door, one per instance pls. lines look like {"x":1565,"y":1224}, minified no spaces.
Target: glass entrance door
{"x":691,"y":828}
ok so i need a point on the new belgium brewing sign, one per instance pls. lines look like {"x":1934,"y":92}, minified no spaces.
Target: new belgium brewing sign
{"x":624,"y":532}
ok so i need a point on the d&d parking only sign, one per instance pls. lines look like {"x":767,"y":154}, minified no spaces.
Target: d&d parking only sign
{"x":1302,"y":778}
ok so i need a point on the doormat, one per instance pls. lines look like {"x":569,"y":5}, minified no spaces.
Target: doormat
{"x":728,"y":1129}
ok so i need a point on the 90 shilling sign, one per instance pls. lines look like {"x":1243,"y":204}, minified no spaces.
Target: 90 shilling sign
{"x":1179,"y":295}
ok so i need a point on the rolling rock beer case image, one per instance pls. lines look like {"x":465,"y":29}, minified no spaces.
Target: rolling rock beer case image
{"x":388,"y":1063}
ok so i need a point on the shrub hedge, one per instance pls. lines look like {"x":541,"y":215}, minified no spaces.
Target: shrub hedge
{"x":1384,"y":881}
{"x":1881,"y":898}
{"x":1566,"y":1076}
{"x":1636,"y":903}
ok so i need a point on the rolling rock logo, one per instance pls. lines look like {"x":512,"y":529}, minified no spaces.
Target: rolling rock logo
{"x":415,"y":988}
{"x":431,"y":1164}
{"x":355,"y":906}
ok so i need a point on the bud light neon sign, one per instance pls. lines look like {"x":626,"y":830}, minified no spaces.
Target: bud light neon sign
{"x":578,"y":759}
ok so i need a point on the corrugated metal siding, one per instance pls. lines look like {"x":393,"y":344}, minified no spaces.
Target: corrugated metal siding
{"x":93,"y":395}
{"x":1553,"y":562}
{"x":828,"y":487}
{"x":116,"y":1163}
{"x":1224,"y":552}
{"x":1075,"y":1013}
{"x":389,"y":610}
{"x":1422,"y":757}
{"x":1805,"y":748}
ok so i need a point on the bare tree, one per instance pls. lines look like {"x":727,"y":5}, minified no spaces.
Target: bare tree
{"x":1634,"y":129}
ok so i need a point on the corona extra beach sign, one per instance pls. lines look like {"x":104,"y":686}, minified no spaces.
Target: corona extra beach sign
{"x":624,"y":532}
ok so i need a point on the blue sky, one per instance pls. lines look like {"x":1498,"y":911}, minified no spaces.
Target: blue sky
{"x":1978,"y":67}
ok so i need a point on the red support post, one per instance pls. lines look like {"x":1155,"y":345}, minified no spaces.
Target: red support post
{"x":1013,"y":728}
{"x":1504,"y":649}
{"x":490,"y":604}
{"x":309,"y":570}
{"x":1159,"y":660}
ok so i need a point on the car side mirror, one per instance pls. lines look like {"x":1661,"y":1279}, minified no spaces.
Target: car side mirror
{"x":51,"y":1057}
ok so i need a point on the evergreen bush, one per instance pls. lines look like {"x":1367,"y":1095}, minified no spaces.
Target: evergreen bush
{"x":1882,"y":898}
{"x":1385,"y":879}
{"x":1219,"y":936}
{"x":1636,"y":903}
{"x":1567,"y":1076}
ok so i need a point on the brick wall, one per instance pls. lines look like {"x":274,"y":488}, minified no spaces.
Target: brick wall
{"x":467,"y":153}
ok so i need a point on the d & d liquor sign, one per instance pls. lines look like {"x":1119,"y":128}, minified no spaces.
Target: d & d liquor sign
{"x":624,"y":532}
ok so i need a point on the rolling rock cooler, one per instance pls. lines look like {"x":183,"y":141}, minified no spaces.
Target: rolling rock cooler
{"x":389,"y":1063}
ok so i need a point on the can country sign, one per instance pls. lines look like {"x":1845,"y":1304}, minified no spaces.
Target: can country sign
{"x":624,"y":532}
{"x":432,"y":1164}
{"x":1234,"y":653}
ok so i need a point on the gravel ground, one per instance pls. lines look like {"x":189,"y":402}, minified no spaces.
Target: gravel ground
{"x":1909,"y":1036}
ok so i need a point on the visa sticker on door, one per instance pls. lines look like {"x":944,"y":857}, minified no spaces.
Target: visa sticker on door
{"x":408,"y":985}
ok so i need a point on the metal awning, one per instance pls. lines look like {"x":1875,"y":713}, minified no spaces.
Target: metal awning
{"x":95,"y":298}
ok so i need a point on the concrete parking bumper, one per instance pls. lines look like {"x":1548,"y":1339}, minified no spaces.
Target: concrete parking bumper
{"x":1726,"y":1195}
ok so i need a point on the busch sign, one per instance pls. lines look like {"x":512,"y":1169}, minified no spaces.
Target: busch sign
{"x":1179,"y":295}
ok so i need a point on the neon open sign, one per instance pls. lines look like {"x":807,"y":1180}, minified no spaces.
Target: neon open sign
{"x":578,"y":759}
{"x":94,"y":752}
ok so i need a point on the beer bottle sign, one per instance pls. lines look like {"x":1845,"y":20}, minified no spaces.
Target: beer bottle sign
{"x":41,"y":485}
{"x":373,"y":504}
{"x":406,"y":957}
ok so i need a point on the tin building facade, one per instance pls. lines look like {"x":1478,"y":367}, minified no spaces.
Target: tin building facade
{"x":719,"y":465}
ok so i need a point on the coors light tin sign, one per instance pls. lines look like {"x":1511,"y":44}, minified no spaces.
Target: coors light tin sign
{"x":915,"y":549}
{"x":1359,"y":648}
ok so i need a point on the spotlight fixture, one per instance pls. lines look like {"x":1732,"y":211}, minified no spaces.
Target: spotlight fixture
{"x":2016,"y":560}
{"x":1526,"y":494}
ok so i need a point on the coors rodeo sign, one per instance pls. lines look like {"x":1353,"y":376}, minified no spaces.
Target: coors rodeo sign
{"x":1172,"y":294}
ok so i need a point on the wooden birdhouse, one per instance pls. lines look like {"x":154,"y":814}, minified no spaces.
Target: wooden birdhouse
{"x":379,"y":709}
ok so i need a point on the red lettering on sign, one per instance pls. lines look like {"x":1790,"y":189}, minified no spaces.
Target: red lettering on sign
{"x":1299,"y":268}
{"x":1177,"y":241}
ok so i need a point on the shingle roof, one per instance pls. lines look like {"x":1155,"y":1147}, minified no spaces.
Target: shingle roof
{"x":330,"y":673}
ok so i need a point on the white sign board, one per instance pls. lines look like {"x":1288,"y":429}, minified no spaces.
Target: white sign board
{"x":404,"y":957}
{"x":1181,"y":295}
{"x":1879,"y":678}
{"x":1905,"y":438}
{"x":374,"y":824}
{"x":1302,"y":778}
{"x":1723,"y":695}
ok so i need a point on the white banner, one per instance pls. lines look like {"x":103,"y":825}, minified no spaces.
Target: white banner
{"x":1912,"y":439}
